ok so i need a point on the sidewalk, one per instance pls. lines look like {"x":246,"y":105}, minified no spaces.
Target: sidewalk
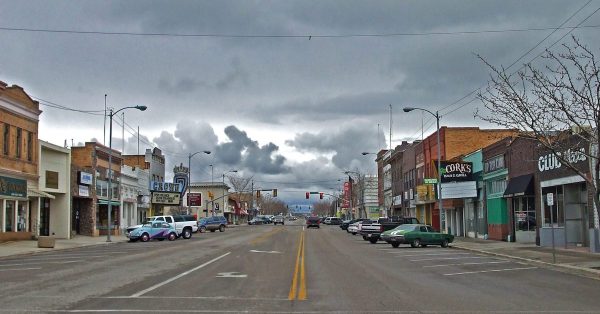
{"x":576,"y":260}
{"x":12,"y":248}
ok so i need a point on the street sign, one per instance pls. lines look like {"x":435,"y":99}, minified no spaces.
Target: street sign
{"x":430,"y":181}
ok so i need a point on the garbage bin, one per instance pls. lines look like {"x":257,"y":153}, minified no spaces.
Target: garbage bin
{"x":46,"y":242}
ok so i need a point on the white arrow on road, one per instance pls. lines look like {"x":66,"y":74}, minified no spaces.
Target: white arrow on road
{"x":269,"y":252}
{"x":233,"y":274}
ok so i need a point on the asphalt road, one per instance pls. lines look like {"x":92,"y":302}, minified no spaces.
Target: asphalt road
{"x":284,"y":269}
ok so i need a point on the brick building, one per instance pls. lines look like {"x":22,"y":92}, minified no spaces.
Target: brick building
{"x":20,"y":198}
{"x":89,"y":188}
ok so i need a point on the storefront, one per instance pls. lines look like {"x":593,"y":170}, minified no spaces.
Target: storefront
{"x":15,"y":217}
{"x":521,"y":202}
{"x":564,"y":211}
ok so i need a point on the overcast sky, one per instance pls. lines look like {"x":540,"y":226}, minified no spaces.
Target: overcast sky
{"x":275,"y":89}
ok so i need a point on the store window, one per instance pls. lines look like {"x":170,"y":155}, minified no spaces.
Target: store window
{"x":9,"y":216}
{"x":22,"y":217}
{"x":19,"y":142}
{"x":29,"y":146}
{"x":525,"y":218}
{"x":553,"y":215}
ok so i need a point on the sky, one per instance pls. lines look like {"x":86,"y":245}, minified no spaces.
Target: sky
{"x":287,"y":92}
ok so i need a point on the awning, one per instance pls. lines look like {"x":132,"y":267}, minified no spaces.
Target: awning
{"x":105,"y":202}
{"x":38,"y":193}
{"x":521,"y":185}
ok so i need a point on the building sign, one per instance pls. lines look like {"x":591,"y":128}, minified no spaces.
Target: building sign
{"x":13,"y":187}
{"x":466,"y":189}
{"x":397,"y":200}
{"x":429,"y":181}
{"x":194,"y":199}
{"x":159,"y":186}
{"x":84,"y":190}
{"x":456,"y":171}
{"x":493,"y":164}
{"x":346,"y":202}
{"x":166,"y":198}
{"x":551,"y":162}
{"x":85,"y":178}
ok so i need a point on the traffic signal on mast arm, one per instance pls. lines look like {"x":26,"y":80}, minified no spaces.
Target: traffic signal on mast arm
{"x":274,"y":192}
{"x":258,"y":194}
{"x":321,"y":195}
{"x":307,"y":195}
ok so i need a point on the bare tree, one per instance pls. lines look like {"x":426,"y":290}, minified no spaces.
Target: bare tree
{"x":321,"y":208}
{"x":271,"y":206}
{"x":556,"y":104}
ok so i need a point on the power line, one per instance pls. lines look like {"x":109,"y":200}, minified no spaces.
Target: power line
{"x":302,"y":36}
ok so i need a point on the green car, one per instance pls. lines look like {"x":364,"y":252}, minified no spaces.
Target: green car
{"x":416,"y":235}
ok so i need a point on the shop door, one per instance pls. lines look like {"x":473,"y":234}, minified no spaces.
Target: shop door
{"x":45,"y":217}
{"x":575,"y":215}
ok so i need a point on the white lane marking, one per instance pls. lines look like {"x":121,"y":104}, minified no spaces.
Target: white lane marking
{"x":433,"y":254}
{"x":302,"y":228}
{"x":21,"y":264}
{"x":263,"y":311}
{"x":444,"y":258}
{"x":269,"y":252}
{"x":489,"y":271}
{"x":135,"y":295}
{"x":233,"y":274}
{"x":221,"y":297}
{"x":11,"y":269}
{"x":459,"y":264}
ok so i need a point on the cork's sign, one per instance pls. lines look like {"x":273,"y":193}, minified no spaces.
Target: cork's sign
{"x":166,"y":198}
{"x":456,"y":171}
{"x":13,"y":187}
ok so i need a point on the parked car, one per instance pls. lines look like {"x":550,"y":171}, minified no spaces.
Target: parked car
{"x":278,"y":220}
{"x":416,"y":235}
{"x":344,"y":225}
{"x":313,"y":222}
{"x":159,"y":230}
{"x":372,"y":231}
{"x":256,"y":221}
{"x":332,"y":221}
{"x":212,"y":224}
{"x":184,"y":225}
{"x":355,"y":227}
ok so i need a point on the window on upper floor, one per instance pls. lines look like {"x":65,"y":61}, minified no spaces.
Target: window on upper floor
{"x":6,"y":139}
{"x":493,"y":164}
{"x":19,"y":143}
{"x":29,"y":146}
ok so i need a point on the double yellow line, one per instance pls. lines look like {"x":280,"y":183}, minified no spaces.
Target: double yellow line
{"x":299,"y":274}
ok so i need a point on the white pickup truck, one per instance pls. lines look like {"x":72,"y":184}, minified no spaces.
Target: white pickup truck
{"x":184,"y":224}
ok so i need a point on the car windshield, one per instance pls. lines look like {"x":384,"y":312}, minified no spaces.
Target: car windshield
{"x":406,"y":228}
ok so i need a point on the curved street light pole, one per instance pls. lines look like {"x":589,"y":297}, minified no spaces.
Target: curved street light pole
{"x":190,"y":175}
{"x":437,"y":119}
{"x":110,"y":196}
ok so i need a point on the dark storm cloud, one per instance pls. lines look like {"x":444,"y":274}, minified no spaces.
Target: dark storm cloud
{"x":346,"y":144}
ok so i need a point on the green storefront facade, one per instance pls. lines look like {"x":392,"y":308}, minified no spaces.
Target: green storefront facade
{"x":497,"y":210}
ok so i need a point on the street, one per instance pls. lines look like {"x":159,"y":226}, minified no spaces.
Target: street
{"x":281,"y":269}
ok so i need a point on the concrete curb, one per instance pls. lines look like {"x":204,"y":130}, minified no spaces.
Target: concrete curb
{"x":36,"y":250}
{"x":565,"y":267}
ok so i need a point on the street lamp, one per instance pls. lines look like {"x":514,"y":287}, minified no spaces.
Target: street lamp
{"x":439,"y":154}
{"x":111,"y":114}
{"x":190,"y":175}
{"x":230,"y":171}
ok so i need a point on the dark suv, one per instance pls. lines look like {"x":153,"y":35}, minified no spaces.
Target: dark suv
{"x":313,"y":222}
{"x":212,"y":223}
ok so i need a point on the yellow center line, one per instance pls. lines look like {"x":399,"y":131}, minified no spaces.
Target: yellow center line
{"x":293,"y":288}
{"x":302,"y":292}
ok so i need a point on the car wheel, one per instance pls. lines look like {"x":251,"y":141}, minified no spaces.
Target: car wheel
{"x":145,"y":237}
{"x":395,"y":244}
{"x":187,"y":233}
{"x":202,"y":229}
{"x":423,"y":245}
{"x":132,"y":240}
{"x":444,"y":243}
{"x":172,"y":236}
{"x":416,"y":243}
{"x":373,"y":240}
{"x":221,"y":228}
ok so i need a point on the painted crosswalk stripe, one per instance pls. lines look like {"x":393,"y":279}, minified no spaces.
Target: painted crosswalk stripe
{"x":474,"y":263}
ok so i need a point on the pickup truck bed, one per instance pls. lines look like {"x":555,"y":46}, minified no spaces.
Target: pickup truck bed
{"x":372,"y":232}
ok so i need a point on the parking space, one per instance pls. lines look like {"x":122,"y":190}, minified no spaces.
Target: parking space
{"x":455,"y":262}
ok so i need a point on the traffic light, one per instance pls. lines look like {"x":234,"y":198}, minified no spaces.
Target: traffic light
{"x":321,"y":195}
{"x":211,"y":195}
{"x":274,"y":192}
{"x":258,"y":194}
{"x":307,"y":195}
